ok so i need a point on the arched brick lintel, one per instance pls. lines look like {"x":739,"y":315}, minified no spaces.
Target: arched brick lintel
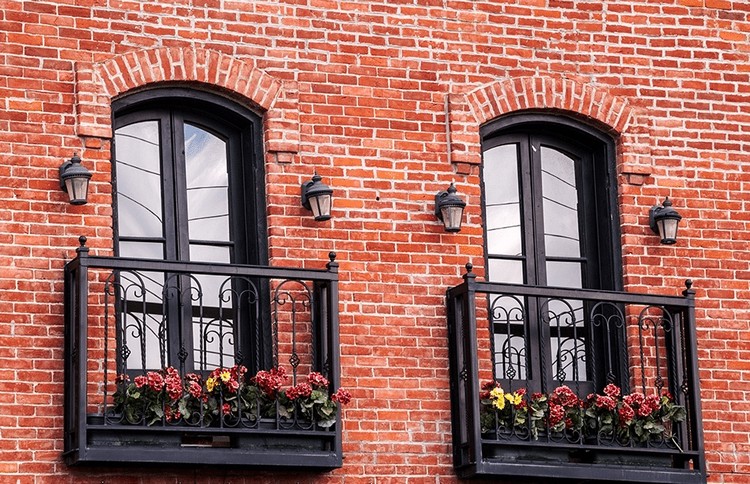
{"x":98,"y":83}
{"x":471,"y":109}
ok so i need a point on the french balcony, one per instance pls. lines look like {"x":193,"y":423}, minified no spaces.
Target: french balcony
{"x":201,"y":363}
{"x":574,"y":385}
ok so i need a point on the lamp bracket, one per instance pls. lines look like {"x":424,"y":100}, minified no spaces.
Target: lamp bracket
{"x":63,"y":168}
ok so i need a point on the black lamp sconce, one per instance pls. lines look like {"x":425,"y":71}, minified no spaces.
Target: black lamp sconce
{"x":317,"y":196}
{"x":663,"y":220}
{"x":449,"y":208}
{"x":74,"y":180}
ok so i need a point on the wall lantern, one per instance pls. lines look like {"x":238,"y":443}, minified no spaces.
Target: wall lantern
{"x":450,"y":209}
{"x":74,"y":180}
{"x":316,"y":196}
{"x":664,"y":221}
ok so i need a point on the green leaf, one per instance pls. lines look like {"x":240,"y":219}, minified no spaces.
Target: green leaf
{"x":326,"y":423}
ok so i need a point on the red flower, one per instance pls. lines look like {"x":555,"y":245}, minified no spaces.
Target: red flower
{"x":612,"y":391}
{"x":635,"y":399}
{"x":195,"y":389}
{"x":226,"y":409}
{"x":155,"y":381}
{"x":270,"y":381}
{"x":489,"y":385}
{"x":141,"y":381}
{"x":192,"y":377}
{"x":342,"y":396}
{"x":299,"y":390}
{"x":238,"y":371}
{"x":317,"y":380}
{"x":626,"y":414}
{"x":556,"y":414}
{"x":605,"y":402}
{"x":172,"y":415}
{"x":565,"y":397}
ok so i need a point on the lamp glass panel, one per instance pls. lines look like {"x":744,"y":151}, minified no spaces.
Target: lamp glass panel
{"x":77,"y":189}
{"x":321,"y":206}
{"x":452,"y":216}
{"x":668,"y":228}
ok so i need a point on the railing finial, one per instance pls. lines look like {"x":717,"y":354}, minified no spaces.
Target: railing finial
{"x":469,"y":274}
{"x":82,"y":248}
{"x":689,"y":291}
{"x":332,"y":266}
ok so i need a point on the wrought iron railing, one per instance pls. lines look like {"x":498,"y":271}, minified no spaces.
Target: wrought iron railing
{"x":131,"y":323}
{"x":538,"y":344}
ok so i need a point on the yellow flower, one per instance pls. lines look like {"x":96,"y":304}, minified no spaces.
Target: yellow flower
{"x":498,"y":395}
{"x":210,"y":384}
{"x":225,"y":376}
{"x":514,"y":398}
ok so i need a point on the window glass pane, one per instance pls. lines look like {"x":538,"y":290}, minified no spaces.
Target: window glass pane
{"x":502,"y":270}
{"x":142,"y":250}
{"x":138,"y":172}
{"x":564,"y":274}
{"x":207,"y":185}
{"x":502,"y":201}
{"x":209,"y":253}
{"x":560,"y":204}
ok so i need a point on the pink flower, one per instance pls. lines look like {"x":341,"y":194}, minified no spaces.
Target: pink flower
{"x":141,"y":381}
{"x":226,"y":409}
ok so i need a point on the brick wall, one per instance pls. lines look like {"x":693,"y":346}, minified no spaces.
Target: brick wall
{"x":365,"y":93}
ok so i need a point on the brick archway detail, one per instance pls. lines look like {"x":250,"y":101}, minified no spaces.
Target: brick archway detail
{"x":470,"y":109}
{"x":98,"y":83}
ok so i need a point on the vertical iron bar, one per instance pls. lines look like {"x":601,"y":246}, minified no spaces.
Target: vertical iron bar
{"x":333,"y":338}
{"x":693,"y":396}
{"x":81,"y":323}
{"x":472,"y":372}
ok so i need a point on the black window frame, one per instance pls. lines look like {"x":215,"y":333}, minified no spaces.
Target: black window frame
{"x":600,"y":231}
{"x":241,"y":128}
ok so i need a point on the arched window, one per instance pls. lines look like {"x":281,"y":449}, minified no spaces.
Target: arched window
{"x":188,"y":186}
{"x":550,"y":212}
